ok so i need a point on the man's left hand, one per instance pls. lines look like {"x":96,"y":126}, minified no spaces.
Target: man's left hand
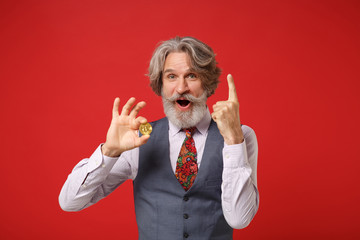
{"x":226,"y":115}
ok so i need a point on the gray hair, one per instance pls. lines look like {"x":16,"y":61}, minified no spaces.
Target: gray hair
{"x":202,"y":59}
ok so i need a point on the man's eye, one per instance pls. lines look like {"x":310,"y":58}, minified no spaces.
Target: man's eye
{"x":171,"y":76}
{"x":191,"y":75}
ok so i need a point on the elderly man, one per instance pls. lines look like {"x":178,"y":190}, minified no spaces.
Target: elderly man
{"x":195,"y":175}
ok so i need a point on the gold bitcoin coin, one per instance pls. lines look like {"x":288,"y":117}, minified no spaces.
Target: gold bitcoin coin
{"x":145,"y":129}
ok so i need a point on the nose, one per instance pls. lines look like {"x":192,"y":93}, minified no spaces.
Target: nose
{"x":182,"y":86}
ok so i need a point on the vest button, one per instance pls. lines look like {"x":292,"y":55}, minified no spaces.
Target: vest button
{"x":186,"y":216}
{"x":186,"y":198}
{"x":186,"y":235}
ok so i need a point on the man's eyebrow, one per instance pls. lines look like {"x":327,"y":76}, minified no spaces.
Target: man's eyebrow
{"x":168,"y":70}
{"x":172,"y":70}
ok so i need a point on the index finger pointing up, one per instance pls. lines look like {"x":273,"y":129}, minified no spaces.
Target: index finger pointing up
{"x":232,"y":89}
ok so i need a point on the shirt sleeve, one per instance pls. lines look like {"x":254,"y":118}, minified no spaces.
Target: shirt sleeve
{"x":240,"y":196}
{"x":94,"y":178}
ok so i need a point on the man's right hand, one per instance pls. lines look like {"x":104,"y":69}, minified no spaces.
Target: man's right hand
{"x":122,"y":134}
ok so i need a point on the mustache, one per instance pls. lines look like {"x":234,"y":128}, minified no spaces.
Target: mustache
{"x":188,"y":97}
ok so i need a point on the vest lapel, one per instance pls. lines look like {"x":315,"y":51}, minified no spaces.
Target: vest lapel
{"x":213,"y":150}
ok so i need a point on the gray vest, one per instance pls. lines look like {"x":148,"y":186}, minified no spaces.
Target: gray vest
{"x":164,"y":210}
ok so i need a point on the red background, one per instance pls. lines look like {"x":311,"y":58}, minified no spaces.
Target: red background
{"x":296,"y":67}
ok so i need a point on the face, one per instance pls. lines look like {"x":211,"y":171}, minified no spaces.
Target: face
{"x":178,"y":77}
{"x":183,"y":95}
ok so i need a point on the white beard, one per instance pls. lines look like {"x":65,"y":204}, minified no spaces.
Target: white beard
{"x":185,"y":119}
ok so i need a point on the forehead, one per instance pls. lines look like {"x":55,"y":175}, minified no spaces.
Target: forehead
{"x":177,"y":61}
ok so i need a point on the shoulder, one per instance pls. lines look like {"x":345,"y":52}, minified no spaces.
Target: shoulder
{"x":160,"y":121}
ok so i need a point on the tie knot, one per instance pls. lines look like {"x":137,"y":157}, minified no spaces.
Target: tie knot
{"x":189,"y":131}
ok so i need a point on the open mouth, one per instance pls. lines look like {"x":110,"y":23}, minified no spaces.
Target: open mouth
{"x":183,"y":103}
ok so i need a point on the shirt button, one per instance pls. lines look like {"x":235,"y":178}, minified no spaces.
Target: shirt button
{"x":186,"y":216}
{"x":186,"y":235}
{"x":186,"y":198}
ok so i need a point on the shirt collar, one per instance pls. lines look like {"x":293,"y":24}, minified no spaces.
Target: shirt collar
{"x":202,"y":127}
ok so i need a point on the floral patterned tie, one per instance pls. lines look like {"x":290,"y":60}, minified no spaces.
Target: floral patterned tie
{"x":186,"y":165}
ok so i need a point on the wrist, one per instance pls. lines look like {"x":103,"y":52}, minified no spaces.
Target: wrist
{"x":237,"y":137}
{"x":234,"y":141}
{"x":109,"y":152}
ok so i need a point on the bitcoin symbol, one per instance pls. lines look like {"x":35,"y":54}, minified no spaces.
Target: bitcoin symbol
{"x":145,"y":129}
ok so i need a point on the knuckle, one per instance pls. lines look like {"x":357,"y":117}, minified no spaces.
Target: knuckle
{"x":233,"y":105}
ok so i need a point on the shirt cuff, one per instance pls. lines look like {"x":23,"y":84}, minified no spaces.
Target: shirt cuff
{"x":97,"y":160}
{"x":235,"y":155}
